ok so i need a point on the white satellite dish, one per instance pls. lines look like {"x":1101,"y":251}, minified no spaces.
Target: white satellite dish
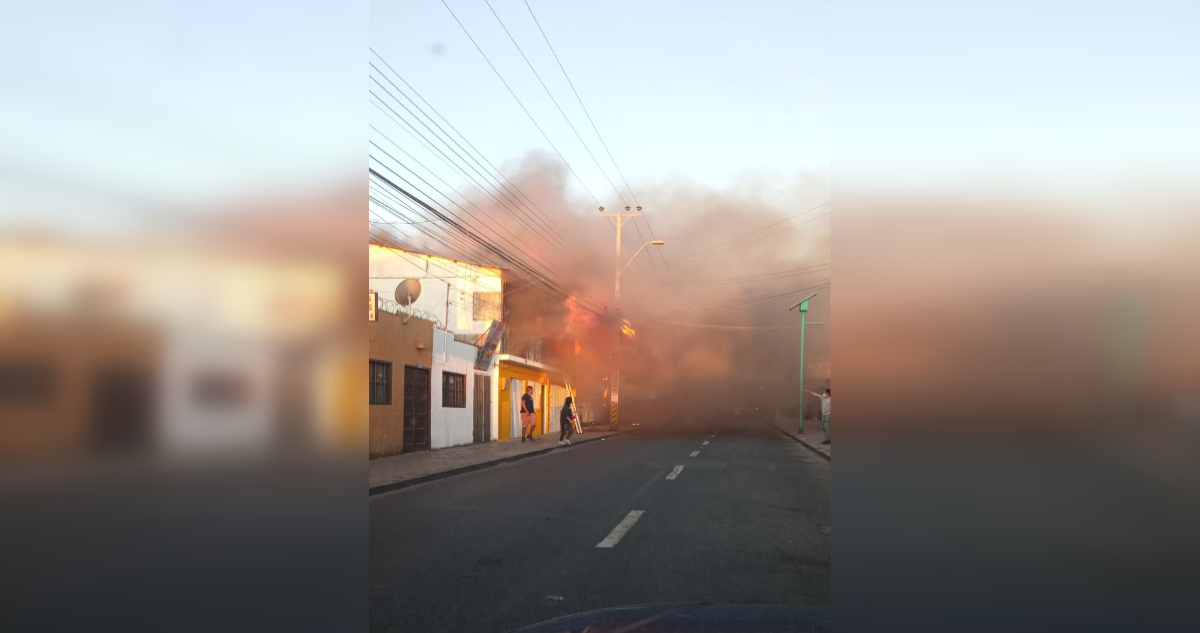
{"x":408,"y":291}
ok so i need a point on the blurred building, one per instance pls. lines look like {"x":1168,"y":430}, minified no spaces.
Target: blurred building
{"x":163,"y":348}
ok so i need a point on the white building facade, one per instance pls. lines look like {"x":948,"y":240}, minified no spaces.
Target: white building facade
{"x":452,"y":393}
{"x":463,"y":298}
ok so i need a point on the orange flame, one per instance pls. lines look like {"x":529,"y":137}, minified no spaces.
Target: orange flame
{"x":627,"y":329}
{"x":577,"y":348}
{"x":577,"y":317}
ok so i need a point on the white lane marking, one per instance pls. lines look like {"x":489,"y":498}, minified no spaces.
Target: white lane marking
{"x":705,"y":443}
{"x":713,"y":435}
{"x":621,"y":530}
{"x":675,"y":473}
{"x":694,"y":453}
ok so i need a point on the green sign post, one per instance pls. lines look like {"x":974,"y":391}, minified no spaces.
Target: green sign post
{"x":803,"y":305}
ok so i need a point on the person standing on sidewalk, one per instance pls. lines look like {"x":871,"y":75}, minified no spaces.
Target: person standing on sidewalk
{"x":566,"y":420}
{"x":528,"y":418}
{"x":826,"y":400}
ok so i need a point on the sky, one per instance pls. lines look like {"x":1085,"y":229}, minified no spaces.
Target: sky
{"x":188,"y":102}
{"x":709,"y":91}
{"x":113,"y":110}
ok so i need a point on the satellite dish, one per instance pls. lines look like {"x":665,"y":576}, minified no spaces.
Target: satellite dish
{"x":409,"y":289}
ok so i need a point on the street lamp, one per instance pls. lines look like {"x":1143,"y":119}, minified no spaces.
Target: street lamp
{"x":803,"y":305}
{"x":655,"y":242}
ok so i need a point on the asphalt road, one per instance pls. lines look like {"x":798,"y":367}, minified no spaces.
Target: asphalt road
{"x":744,"y":522}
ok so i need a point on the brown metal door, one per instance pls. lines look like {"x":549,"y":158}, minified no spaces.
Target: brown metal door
{"x":416,"y":409}
{"x":483,"y":408}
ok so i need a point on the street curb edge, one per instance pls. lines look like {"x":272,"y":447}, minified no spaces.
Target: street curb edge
{"x":806,"y":444}
{"x":406,"y":483}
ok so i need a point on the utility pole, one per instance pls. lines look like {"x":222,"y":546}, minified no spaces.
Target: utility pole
{"x":615,"y":380}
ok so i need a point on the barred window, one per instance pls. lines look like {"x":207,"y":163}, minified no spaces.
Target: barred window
{"x":485,"y":306}
{"x":454,"y":390}
{"x":381,"y":382}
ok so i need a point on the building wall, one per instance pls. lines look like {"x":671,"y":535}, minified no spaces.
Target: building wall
{"x":452,"y":426}
{"x":62,"y":397}
{"x":549,"y":392}
{"x":388,"y":267}
{"x":401,"y":344}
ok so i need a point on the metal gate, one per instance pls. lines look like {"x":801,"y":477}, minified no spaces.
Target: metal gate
{"x":416,"y":409}
{"x":483,"y":408}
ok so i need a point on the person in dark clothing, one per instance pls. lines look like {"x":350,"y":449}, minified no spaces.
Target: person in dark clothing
{"x":528,"y":418}
{"x":567,"y":421}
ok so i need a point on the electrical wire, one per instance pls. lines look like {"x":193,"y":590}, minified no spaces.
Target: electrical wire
{"x":723,"y":327}
{"x":472,"y":236}
{"x":518,"y":100}
{"x":555,"y":101}
{"x":751,"y":302}
{"x":486,"y":190}
{"x":514,"y":188}
{"x":596,"y":129}
{"x":514,"y":235}
{"x":765,"y":277}
{"x":705,"y":250}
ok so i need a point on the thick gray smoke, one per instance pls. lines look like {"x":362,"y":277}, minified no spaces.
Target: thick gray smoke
{"x":669,"y":371}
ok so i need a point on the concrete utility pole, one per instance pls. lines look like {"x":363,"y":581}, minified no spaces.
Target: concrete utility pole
{"x":615,"y":380}
{"x":803,"y":305}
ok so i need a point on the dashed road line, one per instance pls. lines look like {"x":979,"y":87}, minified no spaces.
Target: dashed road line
{"x":621,"y":530}
{"x":694,"y":453}
{"x":705,"y":443}
{"x":675,"y":473}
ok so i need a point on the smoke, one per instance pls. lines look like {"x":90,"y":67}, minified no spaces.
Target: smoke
{"x":720,"y":266}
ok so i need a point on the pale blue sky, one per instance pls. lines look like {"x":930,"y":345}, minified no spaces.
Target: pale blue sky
{"x":1061,"y":93}
{"x":174,"y":103}
{"x":188,"y":101}
{"x":706,"y":90}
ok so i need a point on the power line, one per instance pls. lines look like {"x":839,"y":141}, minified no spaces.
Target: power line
{"x":723,"y":327}
{"x":701,"y":252}
{"x":555,"y":101}
{"x":518,"y":100}
{"x":595,"y":129}
{"x":556,"y":230}
{"x":498,"y":252}
{"x":449,"y":162}
{"x":764,"y":277}
{"x":434,"y":188}
{"x":401,"y":223}
{"x":478,"y":185}
{"x":585,"y":110}
{"x":514,"y":235}
{"x":527,"y":270}
{"x":515,"y":189}
{"x":754,"y":301}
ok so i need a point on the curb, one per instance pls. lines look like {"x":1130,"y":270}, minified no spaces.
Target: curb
{"x":806,"y":443}
{"x":405,"y":483}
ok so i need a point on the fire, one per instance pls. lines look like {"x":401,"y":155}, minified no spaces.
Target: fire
{"x":627,"y":329}
{"x":577,"y":348}
{"x":577,"y":317}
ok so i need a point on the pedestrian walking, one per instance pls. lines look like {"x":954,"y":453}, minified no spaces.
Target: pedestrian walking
{"x":566,"y":420}
{"x":826,"y":400}
{"x":528,"y":418}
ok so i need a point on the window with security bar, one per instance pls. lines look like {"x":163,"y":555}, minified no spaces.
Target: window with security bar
{"x":485,"y":306}
{"x":454,"y":390}
{"x":381,"y":382}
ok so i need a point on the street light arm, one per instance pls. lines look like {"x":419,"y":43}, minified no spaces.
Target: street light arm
{"x":656,"y":243}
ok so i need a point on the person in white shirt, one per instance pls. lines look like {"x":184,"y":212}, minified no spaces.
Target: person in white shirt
{"x":826,"y":399}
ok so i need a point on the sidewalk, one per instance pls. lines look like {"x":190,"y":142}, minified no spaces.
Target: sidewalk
{"x":401,"y":471}
{"x":812,"y":436}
